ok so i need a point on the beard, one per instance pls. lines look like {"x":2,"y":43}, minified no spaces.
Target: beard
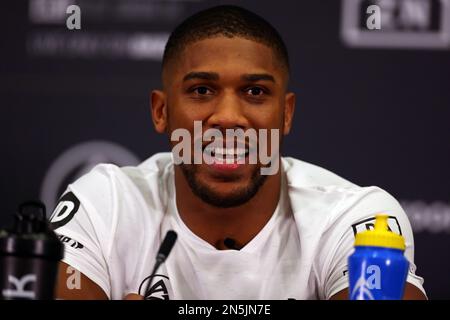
{"x":238,"y":197}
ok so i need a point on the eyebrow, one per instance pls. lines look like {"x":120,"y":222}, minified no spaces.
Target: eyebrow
{"x":213,"y":76}
{"x":201,"y":75}
{"x":258,"y":77}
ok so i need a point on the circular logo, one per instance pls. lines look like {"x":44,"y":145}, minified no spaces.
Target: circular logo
{"x":75,"y":162}
{"x":159,"y":289}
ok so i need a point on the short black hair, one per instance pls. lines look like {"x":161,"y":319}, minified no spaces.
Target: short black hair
{"x":229,"y":21}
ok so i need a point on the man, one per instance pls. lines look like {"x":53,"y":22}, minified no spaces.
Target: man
{"x":243,"y":233}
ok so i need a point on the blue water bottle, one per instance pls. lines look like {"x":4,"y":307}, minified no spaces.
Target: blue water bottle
{"x":378,"y":267}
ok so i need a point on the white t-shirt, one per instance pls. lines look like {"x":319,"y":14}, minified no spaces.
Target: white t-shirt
{"x":112,"y":221}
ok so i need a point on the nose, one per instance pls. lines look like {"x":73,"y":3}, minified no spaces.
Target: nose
{"x":228,"y":113}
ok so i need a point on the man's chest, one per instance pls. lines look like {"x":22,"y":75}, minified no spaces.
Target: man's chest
{"x":272,"y":274}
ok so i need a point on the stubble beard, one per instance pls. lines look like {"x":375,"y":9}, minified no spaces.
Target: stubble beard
{"x":236,"y":198}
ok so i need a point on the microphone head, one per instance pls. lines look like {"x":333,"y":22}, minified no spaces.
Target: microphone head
{"x":167,"y":245}
{"x":230,"y":243}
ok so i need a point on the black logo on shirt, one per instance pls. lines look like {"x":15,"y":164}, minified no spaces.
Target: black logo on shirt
{"x":369,"y":224}
{"x":67,"y":206}
{"x":158,"y":290}
{"x":73,"y":243}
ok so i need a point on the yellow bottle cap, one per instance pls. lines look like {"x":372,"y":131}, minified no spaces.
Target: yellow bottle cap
{"x":380,"y":236}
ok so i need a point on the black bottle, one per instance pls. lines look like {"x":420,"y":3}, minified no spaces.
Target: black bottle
{"x":29,"y":256}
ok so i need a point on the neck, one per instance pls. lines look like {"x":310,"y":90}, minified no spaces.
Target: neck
{"x":241,"y":223}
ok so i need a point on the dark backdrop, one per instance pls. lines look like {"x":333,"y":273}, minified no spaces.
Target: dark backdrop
{"x":374,"y":108}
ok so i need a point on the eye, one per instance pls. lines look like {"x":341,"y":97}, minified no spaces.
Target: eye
{"x":255,"y":91}
{"x":202,"y":90}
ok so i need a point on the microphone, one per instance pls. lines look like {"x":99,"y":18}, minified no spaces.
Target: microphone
{"x":230,"y":243}
{"x":166,"y":246}
{"x":163,"y":253}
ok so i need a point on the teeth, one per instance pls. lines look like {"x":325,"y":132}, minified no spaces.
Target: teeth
{"x":221,"y":152}
{"x":229,"y":160}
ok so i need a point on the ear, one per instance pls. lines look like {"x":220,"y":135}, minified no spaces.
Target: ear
{"x":159,"y":110}
{"x":289,"y":108}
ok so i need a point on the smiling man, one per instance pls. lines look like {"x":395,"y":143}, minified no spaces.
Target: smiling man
{"x":243,"y":232}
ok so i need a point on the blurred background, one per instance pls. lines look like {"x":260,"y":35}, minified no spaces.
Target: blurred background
{"x":373,"y":105}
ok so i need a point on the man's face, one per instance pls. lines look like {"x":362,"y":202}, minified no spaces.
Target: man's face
{"x":226,"y":83}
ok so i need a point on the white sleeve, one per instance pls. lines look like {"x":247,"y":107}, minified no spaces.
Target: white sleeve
{"x":360,"y":217}
{"x":84,"y":221}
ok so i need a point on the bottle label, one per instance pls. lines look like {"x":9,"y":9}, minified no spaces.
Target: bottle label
{"x":370,"y":279}
{"x":17,"y":287}
{"x":377,"y":274}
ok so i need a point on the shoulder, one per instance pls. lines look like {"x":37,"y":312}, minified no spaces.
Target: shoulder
{"x":304,"y":174}
{"x":326,"y":201}
{"x":105,"y":177}
{"x":329,"y":211}
{"x":108,"y":189}
{"x":151,"y":168}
